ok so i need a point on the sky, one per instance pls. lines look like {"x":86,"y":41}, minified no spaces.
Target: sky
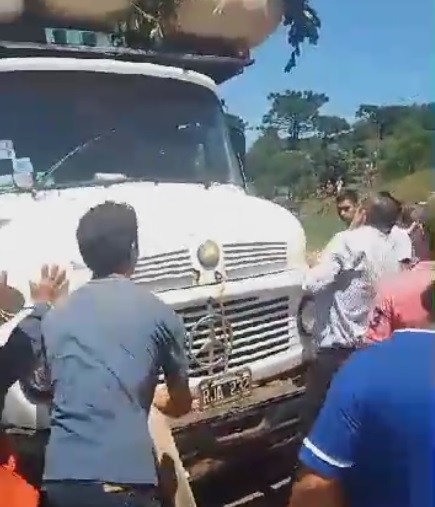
{"x":369,"y":51}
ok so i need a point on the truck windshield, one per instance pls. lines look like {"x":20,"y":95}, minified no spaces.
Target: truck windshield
{"x":86,"y":128}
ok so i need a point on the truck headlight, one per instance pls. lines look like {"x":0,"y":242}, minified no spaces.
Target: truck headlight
{"x":306,"y":316}
{"x":208,"y":254}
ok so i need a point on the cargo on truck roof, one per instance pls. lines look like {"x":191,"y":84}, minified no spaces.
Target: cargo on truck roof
{"x":51,"y":38}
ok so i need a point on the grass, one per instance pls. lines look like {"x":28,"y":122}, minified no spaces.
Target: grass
{"x":414,"y":187}
{"x":319,"y":229}
{"x":320,"y":225}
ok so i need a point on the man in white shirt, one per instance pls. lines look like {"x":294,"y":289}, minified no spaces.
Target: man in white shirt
{"x":344,"y":287}
{"x":399,"y":237}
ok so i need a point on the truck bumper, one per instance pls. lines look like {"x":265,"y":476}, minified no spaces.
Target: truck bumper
{"x":264,"y":422}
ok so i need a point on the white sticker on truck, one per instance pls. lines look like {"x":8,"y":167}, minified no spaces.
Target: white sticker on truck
{"x":7,"y":150}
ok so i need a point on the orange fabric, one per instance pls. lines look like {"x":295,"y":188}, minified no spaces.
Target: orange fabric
{"x":14,"y":490}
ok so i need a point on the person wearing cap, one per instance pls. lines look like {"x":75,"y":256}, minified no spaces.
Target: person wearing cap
{"x":398,"y":304}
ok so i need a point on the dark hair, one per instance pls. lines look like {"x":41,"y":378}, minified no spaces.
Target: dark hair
{"x":384,"y":194}
{"x":406,"y":216}
{"x":107,"y":238}
{"x":347,"y":194}
{"x":428,"y":301}
{"x":382,"y":212}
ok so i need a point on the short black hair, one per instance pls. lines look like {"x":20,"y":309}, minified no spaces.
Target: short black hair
{"x":382,"y":212}
{"x":347,"y":194}
{"x":107,"y":238}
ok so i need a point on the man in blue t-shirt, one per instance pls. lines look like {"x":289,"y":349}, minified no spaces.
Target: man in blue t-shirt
{"x":106,"y":345}
{"x":373,"y":444}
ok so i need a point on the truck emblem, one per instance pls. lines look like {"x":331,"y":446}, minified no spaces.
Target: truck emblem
{"x":216,"y":331}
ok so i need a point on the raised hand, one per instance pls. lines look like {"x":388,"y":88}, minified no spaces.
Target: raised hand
{"x":52,"y":285}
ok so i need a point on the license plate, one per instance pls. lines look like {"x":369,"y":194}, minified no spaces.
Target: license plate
{"x":229,"y":387}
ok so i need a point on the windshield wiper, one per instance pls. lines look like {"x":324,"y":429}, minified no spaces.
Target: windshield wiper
{"x":78,"y":149}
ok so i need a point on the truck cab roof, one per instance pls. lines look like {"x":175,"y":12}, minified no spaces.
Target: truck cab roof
{"x":35,"y":40}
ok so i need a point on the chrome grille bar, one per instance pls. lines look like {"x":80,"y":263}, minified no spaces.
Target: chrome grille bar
{"x":261,"y":328}
{"x":171,"y":270}
{"x":250,"y":259}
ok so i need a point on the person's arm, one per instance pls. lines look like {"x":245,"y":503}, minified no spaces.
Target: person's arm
{"x":329,"y":450}
{"x":335,"y":258}
{"x":174,"y":399}
{"x":313,"y":490}
{"x":18,"y":355}
{"x":327,"y":268}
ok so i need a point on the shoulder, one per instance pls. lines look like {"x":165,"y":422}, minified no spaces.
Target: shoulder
{"x":358,"y":236}
{"x":401,"y":357}
{"x":337,"y":242}
{"x":408,"y":358}
{"x":160,"y":312}
{"x":64,"y":307}
{"x":399,"y":235}
{"x":398,"y":231}
{"x":415,"y":339}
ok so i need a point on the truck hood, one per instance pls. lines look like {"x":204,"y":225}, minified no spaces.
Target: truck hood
{"x":170,"y":217}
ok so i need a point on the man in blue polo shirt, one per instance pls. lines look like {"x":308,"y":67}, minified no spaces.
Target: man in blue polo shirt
{"x":373,"y":444}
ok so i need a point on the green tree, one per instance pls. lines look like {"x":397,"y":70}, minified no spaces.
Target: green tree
{"x":409,"y":150}
{"x":384,"y":118}
{"x":294,"y":114}
{"x":330,"y":127}
{"x":300,"y":148}
{"x":260,"y":154}
{"x":303,"y":24}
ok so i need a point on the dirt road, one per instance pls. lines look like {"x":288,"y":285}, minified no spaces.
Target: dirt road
{"x":262,"y":483}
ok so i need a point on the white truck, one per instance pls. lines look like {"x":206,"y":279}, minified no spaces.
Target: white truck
{"x":80,"y":125}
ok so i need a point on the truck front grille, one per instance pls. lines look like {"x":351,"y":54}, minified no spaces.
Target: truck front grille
{"x":165,"y":271}
{"x":261,"y":328}
{"x":253,"y":259}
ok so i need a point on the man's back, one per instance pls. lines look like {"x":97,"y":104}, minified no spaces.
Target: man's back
{"x":401,"y":243}
{"x":106,"y":346}
{"x":376,"y":432}
{"x":361,"y":256}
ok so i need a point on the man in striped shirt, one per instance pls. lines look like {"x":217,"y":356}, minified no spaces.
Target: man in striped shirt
{"x":343,"y":284}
